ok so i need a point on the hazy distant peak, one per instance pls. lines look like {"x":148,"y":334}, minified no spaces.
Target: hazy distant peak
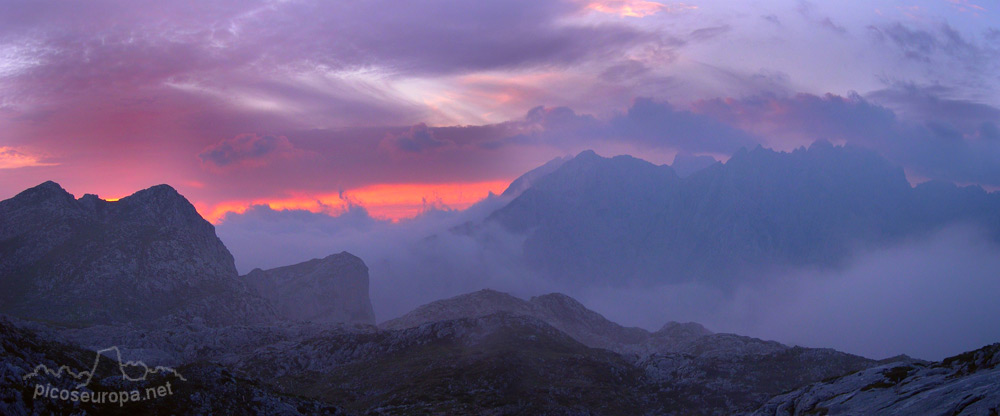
{"x":688,"y":329}
{"x":331,"y":289}
{"x":686,"y":164}
{"x":821,"y":144}
{"x":557,"y":298}
{"x":528,"y":179}
{"x":587,"y":154}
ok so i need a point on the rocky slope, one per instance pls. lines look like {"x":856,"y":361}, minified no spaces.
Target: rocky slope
{"x":586,"y":326}
{"x":145,"y":257}
{"x":332,"y":289}
{"x":680,"y":363}
{"x":200,"y":388}
{"x":965,"y":384}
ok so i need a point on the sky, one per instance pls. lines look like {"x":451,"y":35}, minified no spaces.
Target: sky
{"x":403,"y":107}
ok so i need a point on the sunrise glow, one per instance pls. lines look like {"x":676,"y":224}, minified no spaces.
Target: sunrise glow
{"x":383,"y":201}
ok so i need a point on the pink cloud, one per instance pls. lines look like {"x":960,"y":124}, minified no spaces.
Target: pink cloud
{"x":11,"y":158}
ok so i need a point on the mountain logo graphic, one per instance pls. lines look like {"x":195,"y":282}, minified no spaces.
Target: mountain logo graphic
{"x":87,"y":375}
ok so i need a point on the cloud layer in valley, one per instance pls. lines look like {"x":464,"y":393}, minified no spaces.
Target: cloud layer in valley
{"x":928,"y":297}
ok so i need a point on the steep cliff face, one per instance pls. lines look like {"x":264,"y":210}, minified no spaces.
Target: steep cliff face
{"x":145,"y":257}
{"x":331,"y":289}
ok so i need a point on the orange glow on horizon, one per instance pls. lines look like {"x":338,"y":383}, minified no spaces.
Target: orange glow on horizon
{"x":383,"y":201}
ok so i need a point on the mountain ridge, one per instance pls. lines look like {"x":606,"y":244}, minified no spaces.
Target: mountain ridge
{"x":144,"y":257}
{"x":596,"y":220}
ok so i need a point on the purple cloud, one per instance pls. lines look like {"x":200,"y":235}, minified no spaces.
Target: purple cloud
{"x":249,"y":150}
{"x":952,"y":145}
{"x":417,"y":139}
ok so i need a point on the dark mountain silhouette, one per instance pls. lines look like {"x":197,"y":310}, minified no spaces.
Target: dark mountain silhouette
{"x":88,"y":261}
{"x":618,"y":219}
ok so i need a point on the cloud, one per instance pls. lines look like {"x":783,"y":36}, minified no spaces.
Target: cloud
{"x":11,"y":158}
{"x":249,"y":150}
{"x":628,"y":69}
{"x":411,"y":262}
{"x":926,"y":298}
{"x":657,"y":123}
{"x":954,"y":143}
{"x":944,"y":47}
{"x":828,"y":24}
{"x":929,"y":298}
{"x":929,"y":102}
{"x":706,"y":33}
{"x":647,"y":123}
{"x":965,"y":6}
{"x":417,"y":139}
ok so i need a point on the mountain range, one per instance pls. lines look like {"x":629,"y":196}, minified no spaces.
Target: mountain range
{"x":616,"y":220}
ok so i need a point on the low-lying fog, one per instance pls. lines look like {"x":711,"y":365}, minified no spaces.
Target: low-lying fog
{"x":929,"y":297}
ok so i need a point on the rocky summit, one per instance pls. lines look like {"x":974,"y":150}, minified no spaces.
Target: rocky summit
{"x":146,"y":257}
{"x":331,"y":289}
